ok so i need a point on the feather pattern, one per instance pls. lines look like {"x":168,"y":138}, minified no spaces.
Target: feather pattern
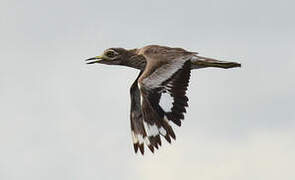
{"x":158,"y":95}
{"x":170,"y":78}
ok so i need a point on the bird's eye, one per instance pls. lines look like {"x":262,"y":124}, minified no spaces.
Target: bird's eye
{"x":110,"y":54}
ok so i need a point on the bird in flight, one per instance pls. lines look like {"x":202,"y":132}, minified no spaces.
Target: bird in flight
{"x":158,"y":95}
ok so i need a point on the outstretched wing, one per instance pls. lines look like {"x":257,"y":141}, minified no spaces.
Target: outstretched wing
{"x":138,"y":125}
{"x":163,"y":99}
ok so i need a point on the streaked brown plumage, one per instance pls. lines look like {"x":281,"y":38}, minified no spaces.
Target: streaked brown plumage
{"x":164,"y":76}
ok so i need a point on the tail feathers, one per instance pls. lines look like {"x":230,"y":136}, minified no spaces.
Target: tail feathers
{"x":203,"y":62}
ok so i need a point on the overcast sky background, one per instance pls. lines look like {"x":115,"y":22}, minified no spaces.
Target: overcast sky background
{"x":61,"y":119}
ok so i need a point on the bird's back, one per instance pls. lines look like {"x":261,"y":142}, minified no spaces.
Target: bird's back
{"x":163,"y":53}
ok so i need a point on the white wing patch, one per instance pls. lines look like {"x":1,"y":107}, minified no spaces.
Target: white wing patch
{"x":137,"y":138}
{"x":151,"y":130}
{"x":166,"y":102}
{"x":147,"y":141}
{"x":134,"y":137}
{"x":163,"y":131}
{"x":140,"y":138}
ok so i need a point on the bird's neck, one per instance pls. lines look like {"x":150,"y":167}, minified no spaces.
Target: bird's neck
{"x":134,"y":61}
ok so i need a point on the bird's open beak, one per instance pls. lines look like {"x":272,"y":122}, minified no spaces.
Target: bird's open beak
{"x":203,"y":62}
{"x":95,"y":59}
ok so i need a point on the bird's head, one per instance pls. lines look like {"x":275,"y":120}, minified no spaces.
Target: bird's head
{"x":111,"y":56}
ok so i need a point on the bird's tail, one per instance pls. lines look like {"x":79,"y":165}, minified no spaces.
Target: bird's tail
{"x":203,"y":62}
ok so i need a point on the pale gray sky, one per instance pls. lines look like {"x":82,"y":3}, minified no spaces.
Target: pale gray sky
{"x":64,"y":120}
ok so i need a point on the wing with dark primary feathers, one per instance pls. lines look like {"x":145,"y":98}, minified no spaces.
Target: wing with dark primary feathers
{"x":155,"y":105}
{"x":158,"y":95}
{"x":138,"y":129}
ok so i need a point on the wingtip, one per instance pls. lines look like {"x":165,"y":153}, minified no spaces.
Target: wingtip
{"x":141,"y":148}
{"x":135,"y":146}
{"x":151,"y":148}
{"x":167,"y":137}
